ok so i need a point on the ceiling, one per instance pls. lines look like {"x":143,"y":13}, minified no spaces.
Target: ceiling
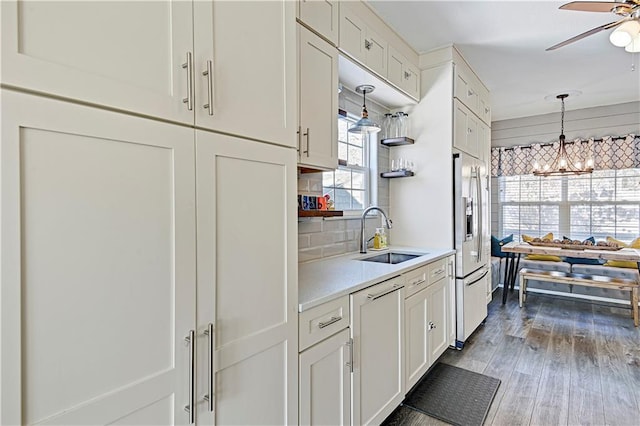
{"x":505,"y":42}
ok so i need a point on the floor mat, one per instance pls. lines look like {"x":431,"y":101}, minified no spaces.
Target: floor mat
{"x":454,"y":395}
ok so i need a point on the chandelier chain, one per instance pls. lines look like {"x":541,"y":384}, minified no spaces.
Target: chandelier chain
{"x":562,"y":118}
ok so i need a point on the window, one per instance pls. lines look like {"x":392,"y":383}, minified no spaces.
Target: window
{"x":348,"y":185}
{"x":604,"y":203}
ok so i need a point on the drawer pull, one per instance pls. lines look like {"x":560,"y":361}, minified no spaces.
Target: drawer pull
{"x":419,"y":282}
{"x":384,"y":293}
{"x":438,"y":272}
{"x":328,"y":323}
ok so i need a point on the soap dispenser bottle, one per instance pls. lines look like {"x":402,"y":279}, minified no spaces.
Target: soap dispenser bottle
{"x":378,"y":239}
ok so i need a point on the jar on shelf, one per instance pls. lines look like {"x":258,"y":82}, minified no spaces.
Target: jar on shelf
{"x":386,"y":126}
{"x":402,"y":124}
{"x":393,"y":130}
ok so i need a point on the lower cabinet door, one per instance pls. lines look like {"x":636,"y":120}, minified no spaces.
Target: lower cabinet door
{"x":98,"y":265}
{"x":416,"y":337}
{"x":377,"y":315}
{"x":247,"y":281}
{"x":325,"y":382}
{"x":437,"y":319}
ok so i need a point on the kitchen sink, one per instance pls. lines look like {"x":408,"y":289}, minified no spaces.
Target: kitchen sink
{"x":391,"y":258}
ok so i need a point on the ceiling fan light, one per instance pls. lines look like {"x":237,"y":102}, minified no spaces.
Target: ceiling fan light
{"x":634,"y":46}
{"x":625,"y":33}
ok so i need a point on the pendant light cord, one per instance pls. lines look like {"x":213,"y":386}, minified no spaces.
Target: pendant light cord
{"x":562,"y":118}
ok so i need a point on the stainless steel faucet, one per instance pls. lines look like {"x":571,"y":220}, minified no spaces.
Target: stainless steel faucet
{"x":363,"y":240}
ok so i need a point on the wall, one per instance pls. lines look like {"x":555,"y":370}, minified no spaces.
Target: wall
{"x":610,"y":120}
{"x":323,"y":237}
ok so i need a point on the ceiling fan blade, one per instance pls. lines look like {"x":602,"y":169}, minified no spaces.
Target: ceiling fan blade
{"x":591,"y":6}
{"x":587,"y":34}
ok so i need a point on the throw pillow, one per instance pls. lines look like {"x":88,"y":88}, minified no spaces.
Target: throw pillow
{"x":545,"y":257}
{"x":580,"y":260}
{"x":623,"y":263}
{"x":496,"y":245}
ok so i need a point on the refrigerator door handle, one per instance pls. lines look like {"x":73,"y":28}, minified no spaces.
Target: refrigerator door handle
{"x":476,"y":279}
{"x":480,"y":218}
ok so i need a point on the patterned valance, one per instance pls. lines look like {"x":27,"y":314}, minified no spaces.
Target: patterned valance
{"x":610,"y":153}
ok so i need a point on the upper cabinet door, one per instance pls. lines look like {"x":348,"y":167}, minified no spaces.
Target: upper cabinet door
{"x":352,"y":34}
{"x":245,"y":69}
{"x":123,"y":55}
{"x":376,"y":52}
{"x":321,"y":16}
{"x":318,"y":70}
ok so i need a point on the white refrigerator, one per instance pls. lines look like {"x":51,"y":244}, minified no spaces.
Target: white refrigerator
{"x":471,"y":235}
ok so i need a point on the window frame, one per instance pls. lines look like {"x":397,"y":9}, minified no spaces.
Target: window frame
{"x":369,"y":179}
{"x":565,"y":206}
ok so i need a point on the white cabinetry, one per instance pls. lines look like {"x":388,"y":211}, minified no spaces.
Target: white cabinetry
{"x":321,"y":16}
{"x":465,"y":133}
{"x":470,"y":91}
{"x":188,"y":55}
{"x":247,"y":285}
{"x":98,"y":265}
{"x":403,"y":74}
{"x":378,"y":364}
{"x":250,"y":48}
{"x":318,"y":102}
{"x":362,"y":42}
{"x":427,"y":322}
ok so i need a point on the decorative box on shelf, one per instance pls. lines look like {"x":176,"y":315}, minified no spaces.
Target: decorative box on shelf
{"x":404,"y":140}
{"x":397,"y":174}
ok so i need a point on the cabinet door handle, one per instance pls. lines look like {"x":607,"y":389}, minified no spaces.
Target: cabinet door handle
{"x":307,"y":135}
{"x":191,"y":407}
{"x":209,"y":74}
{"x":209,"y":396}
{"x":384,"y":293}
{"x":349,"y":363}
{"x":367,"y":44}
{"x":431,"y":325}
{"x":299,"y":132}
{"x":189,"y":67}
{"x":406,"y":75}
{"x":329,"y":322}
{"x":470,"y":93}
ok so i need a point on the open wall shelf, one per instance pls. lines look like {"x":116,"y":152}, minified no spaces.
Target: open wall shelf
{"x":397,"y":174}
{"x":319,"y":213}
{"x":397,"y":141}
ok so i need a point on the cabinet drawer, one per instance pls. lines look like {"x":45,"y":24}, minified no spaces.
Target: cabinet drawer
{"x":437,"y":270}
{"x":416,"y":280}
{"x":322,"y":321}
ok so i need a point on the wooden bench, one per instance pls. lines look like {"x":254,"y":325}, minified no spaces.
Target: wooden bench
{"x":583,"y":280}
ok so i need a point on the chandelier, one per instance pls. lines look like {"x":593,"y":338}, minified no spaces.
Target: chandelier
{"x":563,"y":165}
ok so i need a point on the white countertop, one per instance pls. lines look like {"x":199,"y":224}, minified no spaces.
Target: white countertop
{"x":323,"y":280}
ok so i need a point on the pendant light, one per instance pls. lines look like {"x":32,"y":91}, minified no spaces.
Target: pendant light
{"x":563,"y":165}
{"x":364,"y":125}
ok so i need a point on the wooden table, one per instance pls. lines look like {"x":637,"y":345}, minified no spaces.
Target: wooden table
{"x":515,"y":250}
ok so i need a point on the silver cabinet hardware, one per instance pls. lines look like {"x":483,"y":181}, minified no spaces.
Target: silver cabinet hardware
{"x":486,"y":110}
{"x":379,"y":295}
{"x":451,"y":268}
{"x":209,"y":396}
{"x":439,"y":271}
{"x":470,"y":93}
{"x":299,"y":132}
{"x":209,"y":74}
{"x":406,"y":75}
{"x":349,"y":363}
{"x":431,"y":325}
{"x":307,"y":136}
{"x":480,"y":218}
{"x":419,"y":282}
{"x":189,"y":67}
{"x":367,"y":44}
{"x":329,"y":322}
{"x":191,"y":407}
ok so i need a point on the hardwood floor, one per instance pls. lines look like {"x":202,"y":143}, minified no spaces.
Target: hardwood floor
{"x":561,"y":362}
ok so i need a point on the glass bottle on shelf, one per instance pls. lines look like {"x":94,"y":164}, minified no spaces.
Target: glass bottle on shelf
{"x":386,"y":126}
{"x":402,"y":124}
{"x":394,"y":131}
